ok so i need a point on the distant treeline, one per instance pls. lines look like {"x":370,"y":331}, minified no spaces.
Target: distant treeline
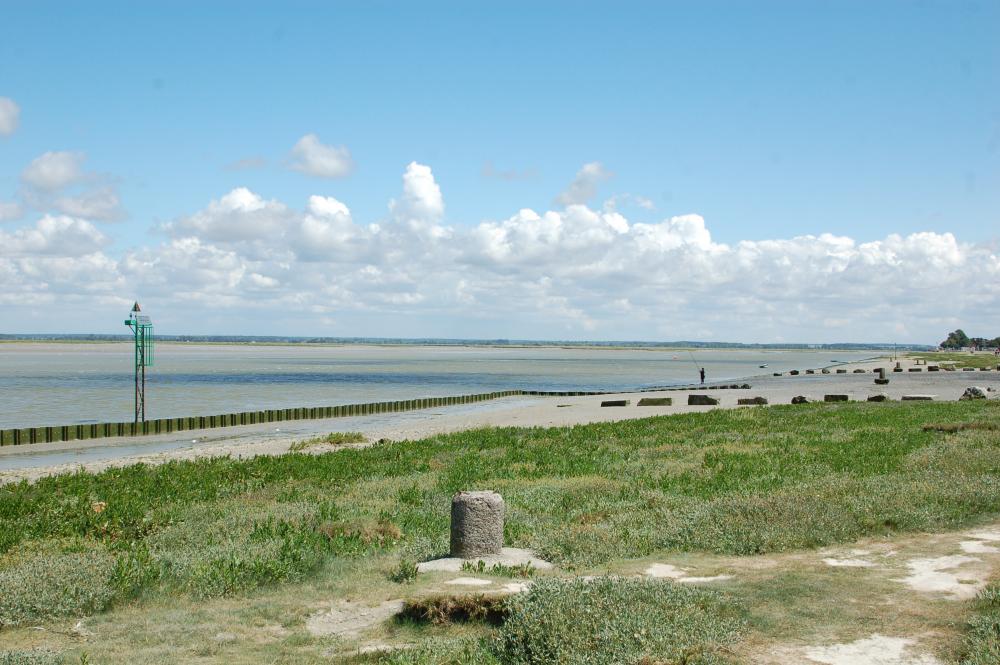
{"x":959,"y":340}
{"x":435,"y":341}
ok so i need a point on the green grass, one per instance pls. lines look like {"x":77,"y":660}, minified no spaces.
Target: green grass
{"x":959,"y":359}
{"x":601,"y":622}
{"x":727,"y":481}
{"x":982,"y":646}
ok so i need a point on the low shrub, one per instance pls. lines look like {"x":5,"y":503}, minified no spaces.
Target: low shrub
{"x":982,"y":645}
{"x":482,"y":608}
{"x":609,"y":621}
{"x":55,"y":584}
{"x":31,"y":657}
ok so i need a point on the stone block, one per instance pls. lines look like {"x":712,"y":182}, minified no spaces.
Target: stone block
{"x":810,"y":371}
{"x":476,"y":524}
{"x":656,"y":401}
{"x":933,"y":368}
{"x":917,"y":398}
{"x":897,"y":369}
{"x":859,"y":371}
{"x":777,"y":373}
{"x":878,"y":398}
{"x":824,"y":371}
{"x":794,"y":372}
{"x":973,"y":392}
{"x":881,"y":382}
{"x":750,"y":401}
{"x":615,"y":402}
{"x":800,"y":399}
{"x":702,"y":400}
{"x":968,"y":369}
{"x":841,"y":371}
{"x":836,"y":398}
{"x":916,"y":369}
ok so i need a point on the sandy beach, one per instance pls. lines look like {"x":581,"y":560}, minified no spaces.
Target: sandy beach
{"x":35,"y":461}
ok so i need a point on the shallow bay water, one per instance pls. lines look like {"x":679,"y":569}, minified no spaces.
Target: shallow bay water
{"x":68,"y":383}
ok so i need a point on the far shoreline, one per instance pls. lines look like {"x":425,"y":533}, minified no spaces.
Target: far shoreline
{"x":489,"y":344}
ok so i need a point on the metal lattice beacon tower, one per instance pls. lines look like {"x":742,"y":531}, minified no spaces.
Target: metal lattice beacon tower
{"x":142,"y":330}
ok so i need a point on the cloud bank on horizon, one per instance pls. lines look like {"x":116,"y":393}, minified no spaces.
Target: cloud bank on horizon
{"x":245,"y":264}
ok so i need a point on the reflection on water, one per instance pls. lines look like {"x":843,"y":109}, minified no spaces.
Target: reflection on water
{"x":52,"y":384}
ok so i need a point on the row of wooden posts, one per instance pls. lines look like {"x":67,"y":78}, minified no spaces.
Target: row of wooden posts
{"x":28,"y":435}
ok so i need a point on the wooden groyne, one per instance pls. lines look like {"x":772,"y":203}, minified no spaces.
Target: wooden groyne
{"x":81,"y":432}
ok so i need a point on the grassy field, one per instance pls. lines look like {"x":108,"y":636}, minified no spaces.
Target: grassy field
{"x":982,"y":646}
{"x":959,"y":359}
{"x":141,"y":540}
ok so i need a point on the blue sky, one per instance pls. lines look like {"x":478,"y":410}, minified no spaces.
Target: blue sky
{"x":769,"y":120}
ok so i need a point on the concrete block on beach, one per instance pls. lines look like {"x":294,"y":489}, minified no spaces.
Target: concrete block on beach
{"x":824,"y":371}
{"x":859,"y":371}
{"x":751,"y":401}
{"x":800,"y":399}
{"x":476,"y":524}
{"x":918,"y":398}
{"x":881,"y":382}
{"x":810,"y":371}
{"x":615,"y":402}
{"x":702,"y":400}
{"x":916,"y":369}
{"x":897,"y":369}
{"x":933,"y":368}
{"x":777,"y":373}
{"x":878,"y":398}
{"x":836,"y":398}
{"x":656,"y":401}
{"x":841,"y":371}
{"x":794,"y":372}
{"x":973,"y":392}
{"x":968,"y":369}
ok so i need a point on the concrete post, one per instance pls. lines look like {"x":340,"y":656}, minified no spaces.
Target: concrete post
{"x":476,"y":524}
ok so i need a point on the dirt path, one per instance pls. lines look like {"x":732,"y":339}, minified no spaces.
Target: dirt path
{"x":890,"y":601}
{"x":899,"y":601}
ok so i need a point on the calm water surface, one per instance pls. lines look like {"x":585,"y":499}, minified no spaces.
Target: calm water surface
{"x":53,"y":384}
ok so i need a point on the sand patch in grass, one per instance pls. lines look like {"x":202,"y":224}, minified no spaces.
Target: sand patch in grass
{"x":874,"y":650}
{"x":932,"y":576}
{"x":347,"y":619}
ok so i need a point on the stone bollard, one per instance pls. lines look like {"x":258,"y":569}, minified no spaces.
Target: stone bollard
{"x":476,"y":524}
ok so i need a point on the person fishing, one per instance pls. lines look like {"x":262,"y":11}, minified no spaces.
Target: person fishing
{"x":701,"y":373}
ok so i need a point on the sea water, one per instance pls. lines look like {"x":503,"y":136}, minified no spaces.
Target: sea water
{"x":70,"y":383}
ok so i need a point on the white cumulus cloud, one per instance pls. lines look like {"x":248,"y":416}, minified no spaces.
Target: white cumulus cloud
{"x":323,"y":161}
{"x":58,"y":182}
{"x":585,"y":184}
{"x":10,"y":210}
{"x":53,"y":236}
{"x":10,"y":114}
{"x":241,"y":215}
{"x":54,"y":170}
{"x":575,"y":272}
